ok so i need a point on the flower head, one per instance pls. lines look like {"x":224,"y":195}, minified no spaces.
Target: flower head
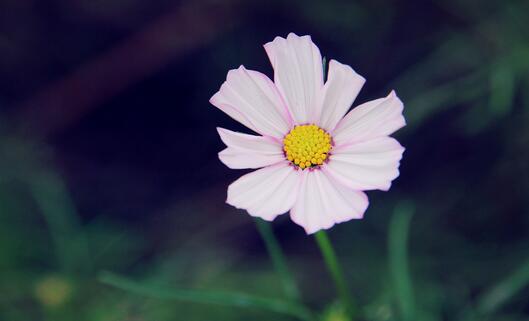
{"x":314,"y":158}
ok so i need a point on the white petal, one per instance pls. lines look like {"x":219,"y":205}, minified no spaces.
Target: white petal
{"x":376,"y":118}
{"x":368,"y":165}
{"x":322,"y":202}
{"x":340,"y":90}
{"x":252,"y":99}
{"x":267,"y":192}
{"x":249,"y":151}
{"x":298,"y":74}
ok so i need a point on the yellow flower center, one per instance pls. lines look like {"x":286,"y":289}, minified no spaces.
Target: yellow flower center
{"x":307,"y":146}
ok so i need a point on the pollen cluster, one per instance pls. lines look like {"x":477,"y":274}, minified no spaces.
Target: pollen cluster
{"x":307,"y":146}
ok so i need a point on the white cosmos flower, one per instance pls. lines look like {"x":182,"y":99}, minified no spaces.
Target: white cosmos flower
{"x":312,"y":157}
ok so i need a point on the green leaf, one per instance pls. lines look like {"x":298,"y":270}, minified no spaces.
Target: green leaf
{"x":224,"y":298}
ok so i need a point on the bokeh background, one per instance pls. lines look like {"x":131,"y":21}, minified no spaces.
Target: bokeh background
{"x":112,"y":196}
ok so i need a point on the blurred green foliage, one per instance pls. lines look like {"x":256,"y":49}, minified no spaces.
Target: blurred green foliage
{"x":450,"y":241}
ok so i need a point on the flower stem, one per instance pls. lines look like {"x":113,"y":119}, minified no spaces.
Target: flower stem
{"x":278,"y":260}
{"x":329,"y":256}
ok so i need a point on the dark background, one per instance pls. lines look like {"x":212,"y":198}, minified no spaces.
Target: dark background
{"x":108,"y":158}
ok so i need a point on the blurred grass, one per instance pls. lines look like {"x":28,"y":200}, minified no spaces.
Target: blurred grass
{"x":398,"y":260}
{"x":500,"y":294}
{"x":207,"y":296}
{"x":63,"y":222}
{"x":278,"y":258}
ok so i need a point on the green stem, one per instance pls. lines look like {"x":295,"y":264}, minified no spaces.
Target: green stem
{"x":329,"y":256}
{"x":278,"y":260}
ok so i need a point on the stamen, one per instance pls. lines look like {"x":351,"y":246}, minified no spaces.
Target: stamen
{"x":307,"y":146}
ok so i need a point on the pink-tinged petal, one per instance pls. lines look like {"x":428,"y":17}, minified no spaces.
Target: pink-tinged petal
{"x":367,"y":165}
{"x":298,"y":74}
{"x":376,"y":118}
{"x":249,"y":151}
{"x":259,"y":144}
{"x":267,"y":192}
{"x":252,"y":99}
{"x":323,"y":202}
{"x":342,"y":86}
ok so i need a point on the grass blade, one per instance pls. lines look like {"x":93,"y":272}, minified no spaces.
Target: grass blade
{"x":52,"y":198}
{"x":278,"y":260}
{"x":224,"y":298}
{"x":506,"y":289}
{"x":502,"y":88}
{"x":398,"y":259}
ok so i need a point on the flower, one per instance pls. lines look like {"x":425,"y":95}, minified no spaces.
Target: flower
{"x":313,"y":158}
